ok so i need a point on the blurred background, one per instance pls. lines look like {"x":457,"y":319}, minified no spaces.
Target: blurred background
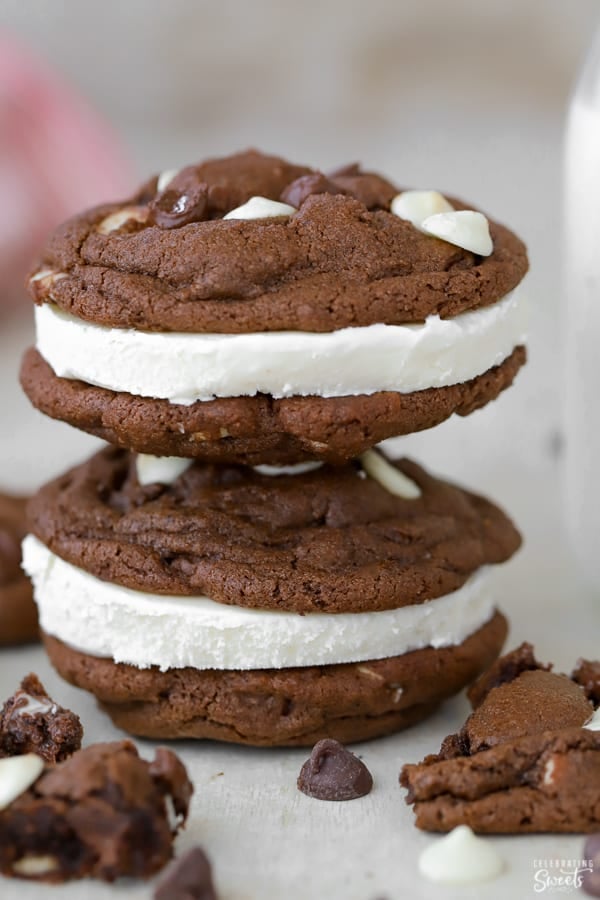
{"x":466,"y":97}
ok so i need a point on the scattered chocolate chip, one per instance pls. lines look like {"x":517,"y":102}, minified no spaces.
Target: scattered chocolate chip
{"x":590,"y":881}
{"x":587,"y":674}
{"x":333,"y":773}
{"x":296,"y":193}
{"x":187,"y":878}
{"x":31,"y":722}
{"x":184,"y":200}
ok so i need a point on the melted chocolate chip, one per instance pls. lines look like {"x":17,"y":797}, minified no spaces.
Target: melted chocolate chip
{"x":183,"y":201}
{"x":333,"y":773}
{"x":188,"y":878}
{"x":296,"y":193}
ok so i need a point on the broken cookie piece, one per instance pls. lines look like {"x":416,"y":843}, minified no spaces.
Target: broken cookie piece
{"x":31,"y":722}
{"x":524,"y":760}
{"x":104,"y":813}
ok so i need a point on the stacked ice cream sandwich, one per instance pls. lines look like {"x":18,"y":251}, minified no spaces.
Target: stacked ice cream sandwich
{"x":241,"y":564}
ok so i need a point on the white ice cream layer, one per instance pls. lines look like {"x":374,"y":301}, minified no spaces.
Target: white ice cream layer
{"x":105,"y":619}
{"x":184,"y":368}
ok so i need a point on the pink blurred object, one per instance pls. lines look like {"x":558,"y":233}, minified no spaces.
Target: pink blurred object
{"x":57,"y":156}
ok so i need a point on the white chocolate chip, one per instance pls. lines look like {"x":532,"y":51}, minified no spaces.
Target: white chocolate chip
{"x":398,"y":691}
{"x":121,"y":217}
{"x":165,"y":178}
{"x":47,"y":278}
{"x":17,"y":773}
{"x":464,"y":228}
{"x":33,"y":706}
{"x":160,"y":469}
{"x":370,"y":673}
{"x":460,"y":858}
{"x":593,"y":724}
{"x":388,"y":476}
{"x":297,"y":469}
{"x":261,"y":208}
{"x":416,"y":206}
{"x":549,"y":771}
{"x":31,"y":866}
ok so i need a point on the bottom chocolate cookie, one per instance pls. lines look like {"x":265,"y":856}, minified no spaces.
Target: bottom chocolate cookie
{"x":257,"y":429}
{"x":281,"y":707}
{"x":18,"y":614}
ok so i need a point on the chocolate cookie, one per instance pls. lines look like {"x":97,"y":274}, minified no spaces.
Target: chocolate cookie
{"x":103,"y":813}
{"x":281,"y":707}
{"x":332,"y":539}
{"x":18,"y":614}
{"x":339,"y":260}
{"x":257,"y":429}
{"x":251,"y":310}
{"x":526,"y":760}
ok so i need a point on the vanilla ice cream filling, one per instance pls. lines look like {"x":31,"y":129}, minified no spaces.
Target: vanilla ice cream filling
{"x":105,"y":619}
{"x":184,"y":368}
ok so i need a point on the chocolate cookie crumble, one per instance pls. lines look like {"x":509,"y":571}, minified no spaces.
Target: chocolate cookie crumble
{"x":31,"y":722}
{"x":103,"y":813}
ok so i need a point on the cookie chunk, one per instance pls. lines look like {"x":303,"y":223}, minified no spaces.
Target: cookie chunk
{"x":18,"y":614}
{"x":103,"y":813}
{"x":251,"y":310}
{"x":524,"y":761}
{"x":31,"y":722}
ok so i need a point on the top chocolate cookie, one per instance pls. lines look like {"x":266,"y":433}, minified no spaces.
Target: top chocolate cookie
{"x":171,"y":260}
{"x":250,"y":310}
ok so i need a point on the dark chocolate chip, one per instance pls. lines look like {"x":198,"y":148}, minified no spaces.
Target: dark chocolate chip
{"x":372,"y":190}
{"x":187,"y":878}
{"x":333,"y":773}
{"x":590,"y":881}
{"x":296,"y":193}
{"x":183,"y":201}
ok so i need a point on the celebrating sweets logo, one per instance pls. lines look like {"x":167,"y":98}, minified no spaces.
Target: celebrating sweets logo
{"x":560,"y":875}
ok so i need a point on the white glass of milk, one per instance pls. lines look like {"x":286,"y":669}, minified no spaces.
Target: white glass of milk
{"x":582,"y":318}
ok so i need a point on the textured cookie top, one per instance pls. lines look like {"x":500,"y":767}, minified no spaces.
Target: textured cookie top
{"x":332,"y":539}
{"x":167,"y":260}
